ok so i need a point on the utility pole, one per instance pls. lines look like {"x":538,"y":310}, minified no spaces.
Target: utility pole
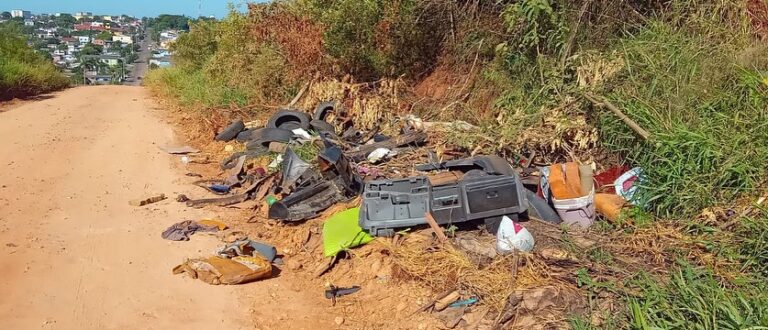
{"x":199,"y":8}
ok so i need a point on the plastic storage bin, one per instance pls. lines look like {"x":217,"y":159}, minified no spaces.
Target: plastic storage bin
{"x":577,"y":211}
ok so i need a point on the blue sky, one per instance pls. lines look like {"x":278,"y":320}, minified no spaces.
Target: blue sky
{"x":136,"y":8}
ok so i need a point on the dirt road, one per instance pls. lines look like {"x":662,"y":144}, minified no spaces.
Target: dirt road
{"x":73,"y":253}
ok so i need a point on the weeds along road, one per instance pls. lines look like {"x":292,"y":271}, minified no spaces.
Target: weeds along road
{"x":74,"y":254}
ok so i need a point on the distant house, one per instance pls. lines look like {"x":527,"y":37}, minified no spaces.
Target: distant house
{"x":107,"y":18}
{"x":111,"y":60}
{"x":83,"y":14}
{"x":83,"y":39}
{"x":90,"y":27}
{"x":29,"y":22}
{"x":99,"y":42}
{"x":18,"y":13}
{"x":123,"y":38}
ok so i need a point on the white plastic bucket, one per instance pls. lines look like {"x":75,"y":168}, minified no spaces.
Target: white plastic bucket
{"x":577,"y":211}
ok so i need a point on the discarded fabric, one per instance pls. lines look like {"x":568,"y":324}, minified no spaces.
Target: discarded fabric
{"x":182,"y":230}
{"x":218,"y":270}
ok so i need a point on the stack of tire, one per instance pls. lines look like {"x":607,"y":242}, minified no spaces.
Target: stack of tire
{"x":280,"y":127}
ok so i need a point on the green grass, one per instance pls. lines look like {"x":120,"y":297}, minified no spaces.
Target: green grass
{"x":705,"y":111}
{"x":192,"y":88}
{"x":694,"y":299}
{"x":23,"y":72}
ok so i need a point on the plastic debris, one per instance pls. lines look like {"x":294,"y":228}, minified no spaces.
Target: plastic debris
{"x":302,"y":133}
{"x":277,"y":162}
{"x":378,"y":155}
{"x":512,"y":236}
{"x":342,"y":232}
{"x":626,"y":184}
{"x":465,"y":302}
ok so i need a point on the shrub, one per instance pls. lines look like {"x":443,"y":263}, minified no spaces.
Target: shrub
{"x":23,"y":72}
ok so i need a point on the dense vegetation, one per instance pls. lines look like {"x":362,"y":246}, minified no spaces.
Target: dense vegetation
{"x":693,"y":73}
{"x":23,"y":72}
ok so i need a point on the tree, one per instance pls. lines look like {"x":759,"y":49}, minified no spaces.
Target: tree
{"x":169,"y":22}
{"x":104,"y":35}
{"x":91,"y":49}
{"x":5,"y":15}
{"x":65,"y":21}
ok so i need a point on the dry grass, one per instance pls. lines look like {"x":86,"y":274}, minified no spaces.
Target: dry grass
{"x":444,"y":267}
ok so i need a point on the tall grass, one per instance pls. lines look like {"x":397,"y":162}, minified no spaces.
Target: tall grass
{"x":706,"y":109}
{"x":23,"y":72}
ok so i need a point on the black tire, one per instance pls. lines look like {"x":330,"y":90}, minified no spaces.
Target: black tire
{"x":540,"y":209}
{"x":323,"y":109}
{"x":322,"y":126}
{"x":231,"y":131}
{"x":289,"y":120}
{"x":262,"y":137}
{"x":244,"y":136}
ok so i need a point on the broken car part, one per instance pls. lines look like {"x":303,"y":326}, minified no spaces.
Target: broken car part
{"x":494,"y":190}
{"x":296,"y":172}
{"x":313,"y":192}
{"x":249,"y":248}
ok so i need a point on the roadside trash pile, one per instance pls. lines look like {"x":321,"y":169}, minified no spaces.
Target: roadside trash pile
{"x":394,"y":184}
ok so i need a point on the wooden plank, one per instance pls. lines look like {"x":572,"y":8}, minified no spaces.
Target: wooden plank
{"x":438,"y":231}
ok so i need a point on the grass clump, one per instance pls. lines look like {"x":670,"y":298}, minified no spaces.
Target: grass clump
{"x":694,"y":299}
{"x":23,"y":72}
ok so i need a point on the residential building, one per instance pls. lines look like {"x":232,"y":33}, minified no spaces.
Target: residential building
{"x":99,"y":42}
{"x":89,"y":27}
{"x":29,"y":22}
{"x":123,"y":38}
{"x":108,"y":18}
{"x":25,"y":14}
{"x":83,"y":14}
{"x":84,"y":39}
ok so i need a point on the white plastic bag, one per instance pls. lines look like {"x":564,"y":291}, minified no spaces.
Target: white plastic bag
{"x":512,"y":236}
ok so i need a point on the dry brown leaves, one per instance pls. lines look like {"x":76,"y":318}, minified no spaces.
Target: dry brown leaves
{"x":300,"y":39}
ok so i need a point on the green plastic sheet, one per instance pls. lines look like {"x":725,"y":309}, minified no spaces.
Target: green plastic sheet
{"x":342,"y":232}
